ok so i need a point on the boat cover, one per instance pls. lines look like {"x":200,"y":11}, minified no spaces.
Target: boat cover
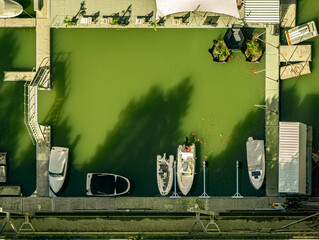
{"x":57,"y":160}
{"x":9,"y":9}
{"x":255,"y":154}
{"x":167,"y":7}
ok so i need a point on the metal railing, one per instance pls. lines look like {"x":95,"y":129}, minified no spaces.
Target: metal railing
{"x":30,"y":102}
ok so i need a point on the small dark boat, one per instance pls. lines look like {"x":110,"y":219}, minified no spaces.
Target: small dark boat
{"x":106,"y":184}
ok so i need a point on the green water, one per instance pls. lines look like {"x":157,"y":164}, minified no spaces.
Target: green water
{"x":17,"y":52}
{"x":300,"y":96}
{"x":120,"y":97}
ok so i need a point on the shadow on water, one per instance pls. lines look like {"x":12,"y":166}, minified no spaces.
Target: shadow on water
{"x":61,"y":128}
{"x":21,"y":170}
{"x":146,"y":127}
{"x":221,"y":172}
{"x":306,"y":111}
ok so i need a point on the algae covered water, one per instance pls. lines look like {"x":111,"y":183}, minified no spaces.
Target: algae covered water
{"x":17,"y":53}
{"x":121,"y":97}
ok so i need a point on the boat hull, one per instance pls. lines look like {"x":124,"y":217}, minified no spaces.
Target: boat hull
{"x":57,"y":182}
{"x":164,"y":174}
{"x":185,"y":168}
{"x":256,"y":162}
{"x":10,"y":9}
{"x":91,"y":192}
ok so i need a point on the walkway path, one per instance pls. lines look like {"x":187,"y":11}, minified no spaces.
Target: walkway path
{"x":17,"y":22}
{"x":272,"y":111}
{"x":18,"y":76}
{"x":43,"y":60}
{"x":132,"y":204}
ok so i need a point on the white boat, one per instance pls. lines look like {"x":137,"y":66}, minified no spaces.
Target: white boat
{"x":301,"y":33}
{"x":185,"y":167}
{"x":164,"y":173}
{"x":58,"y":164}
{"x":10,"y":9}
{"x":106,"y":184}
{"x":256,"y":162}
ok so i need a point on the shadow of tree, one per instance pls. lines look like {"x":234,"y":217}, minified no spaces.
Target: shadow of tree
{"x":11,"y":120}
{"x":60,"y":128}
{"x":60,"y":77}
{"x":221,"y":172}
{"x":146,"y":127}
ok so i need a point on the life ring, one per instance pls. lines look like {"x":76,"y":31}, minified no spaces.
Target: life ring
{"x":188,"y":149}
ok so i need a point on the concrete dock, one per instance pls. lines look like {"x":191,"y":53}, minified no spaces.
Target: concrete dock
{"x":17,"y":23}
{"x":18,"y":76}
{"x":131,"y":204}
{"x":272,"y":111}
{"x":61,"y":8}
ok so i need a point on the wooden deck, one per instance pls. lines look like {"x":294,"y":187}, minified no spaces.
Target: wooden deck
{"x":295,"y":53}
{"x":295,"y":70}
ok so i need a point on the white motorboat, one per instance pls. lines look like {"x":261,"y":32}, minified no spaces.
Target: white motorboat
{"x":58,"y":164}
{"x":186,"y":156}
{"x":106,"y":184}
{"x":256,"y":162}
{"x":10,"y":9}
{"x":164,"y":173}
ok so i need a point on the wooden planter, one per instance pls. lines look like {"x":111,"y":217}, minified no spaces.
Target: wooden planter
{"x":220,"y":51}
{"x":255,"y":56}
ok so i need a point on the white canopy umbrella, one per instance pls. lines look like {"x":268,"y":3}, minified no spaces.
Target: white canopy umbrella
{"x":167,"y":7}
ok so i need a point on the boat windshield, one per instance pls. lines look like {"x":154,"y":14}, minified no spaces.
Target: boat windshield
{"x":55,"y":174}
{"x":52,"y":174}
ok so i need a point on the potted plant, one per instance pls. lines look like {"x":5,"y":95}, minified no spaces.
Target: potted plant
{"x":68,"y":21}
{"x":220,"y":51}
{"x":253,"y":51}
{"x":154,"y":24}
{"x":115,"y":21}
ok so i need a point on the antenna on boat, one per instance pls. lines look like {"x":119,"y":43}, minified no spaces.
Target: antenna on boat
{"x":175,"y":194}
{"x":204,"y":195}
{"x":237,"y":194}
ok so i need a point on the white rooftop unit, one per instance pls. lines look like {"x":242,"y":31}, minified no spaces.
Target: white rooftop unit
{"x":292,"y":158}
{"x":262,"y":11}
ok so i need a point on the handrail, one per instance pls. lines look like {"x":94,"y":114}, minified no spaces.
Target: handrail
{"x":24,"y":112}
{"x":30,"y":110}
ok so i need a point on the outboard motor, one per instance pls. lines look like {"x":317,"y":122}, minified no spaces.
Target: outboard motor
{"x":186,"y":142}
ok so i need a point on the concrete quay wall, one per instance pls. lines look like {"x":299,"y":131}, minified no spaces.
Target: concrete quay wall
{"x":131,"y":204}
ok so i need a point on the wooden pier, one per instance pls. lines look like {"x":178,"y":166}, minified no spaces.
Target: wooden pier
{"x":272,"y":111}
